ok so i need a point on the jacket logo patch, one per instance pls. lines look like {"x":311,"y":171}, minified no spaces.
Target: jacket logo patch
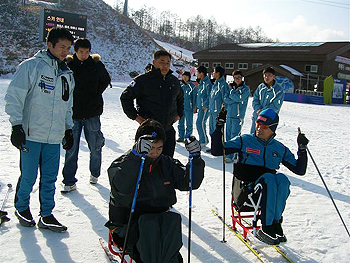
{"x":166,"y":183}
{"x":274,"y":154}
{"x":251,"y":150}
{"x":46,"y":78}
{"x":46,"y":88}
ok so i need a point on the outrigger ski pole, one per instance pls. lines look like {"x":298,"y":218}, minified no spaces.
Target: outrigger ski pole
{"x":324,"y":183}
{"x":143,"y":157}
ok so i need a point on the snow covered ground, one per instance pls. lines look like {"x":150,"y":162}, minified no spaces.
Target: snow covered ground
{"x":312,"y":226}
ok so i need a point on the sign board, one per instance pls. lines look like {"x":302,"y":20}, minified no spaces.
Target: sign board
{"x":75,"y":23}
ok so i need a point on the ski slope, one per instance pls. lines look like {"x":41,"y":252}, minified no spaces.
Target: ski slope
{"x":311,"y":224}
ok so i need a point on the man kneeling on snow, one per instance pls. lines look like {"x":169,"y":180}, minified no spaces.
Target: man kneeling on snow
{"x":260,"y":155}
{"x":155,"y":232}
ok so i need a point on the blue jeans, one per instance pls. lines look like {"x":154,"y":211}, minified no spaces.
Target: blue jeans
{"x":201,"y":125}
{"x":95,"y":140}
{"x":46,"y":157}
{"x":188,"y":118}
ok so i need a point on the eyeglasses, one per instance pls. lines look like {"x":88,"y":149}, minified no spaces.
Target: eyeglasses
{"x":237,"y":77}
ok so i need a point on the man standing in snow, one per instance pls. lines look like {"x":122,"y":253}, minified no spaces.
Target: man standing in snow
{"x":236,"y":105}
{"x":158,"y":96}
{"x":190,"y":95}
{"x":268,"y":94}
{"x":155,"y":232}
{"x":260,"y":155}
{"x":39,"y":102}
{"x":202,"y":104}
{"x":91,"y":80}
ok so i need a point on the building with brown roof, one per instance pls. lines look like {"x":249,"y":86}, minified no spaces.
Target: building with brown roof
{"x":307,"y":64}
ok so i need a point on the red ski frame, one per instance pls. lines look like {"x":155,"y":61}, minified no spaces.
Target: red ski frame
{"x":111,"y":246}
{"x":239,"y":218}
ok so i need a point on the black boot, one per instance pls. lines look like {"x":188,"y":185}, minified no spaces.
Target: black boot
{"x":50,"y":222}
{"x":267,"y":235}
{"x":25,"y":218}
{"x":279,"y":231}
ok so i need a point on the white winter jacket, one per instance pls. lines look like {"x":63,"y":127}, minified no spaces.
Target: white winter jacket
{"x":40,"y":97}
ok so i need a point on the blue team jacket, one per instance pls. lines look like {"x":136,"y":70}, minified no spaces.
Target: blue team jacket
{"x":236,"y":102}
{"x":217,"y":94}
{"x":203,"y":93}
{"x":190,"y":95}
{"x":268,"y":97}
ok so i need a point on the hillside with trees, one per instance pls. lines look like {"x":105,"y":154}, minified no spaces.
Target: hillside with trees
{"x":195,"y":33}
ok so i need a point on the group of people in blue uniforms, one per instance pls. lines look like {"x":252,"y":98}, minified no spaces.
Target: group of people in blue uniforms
{"x":211,"y":95}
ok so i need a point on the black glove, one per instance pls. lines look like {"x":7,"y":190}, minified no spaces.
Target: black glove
{"x":221,"y":118}
{"x":233,"y":85}
{"x":18,"y":137}
{"x":302,"y":141}
{"x":68,"y":140}
{"x":193,"y":146}
{"x":144,"y":144}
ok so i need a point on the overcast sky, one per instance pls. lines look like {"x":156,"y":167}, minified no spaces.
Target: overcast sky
{"x":285,"y":20}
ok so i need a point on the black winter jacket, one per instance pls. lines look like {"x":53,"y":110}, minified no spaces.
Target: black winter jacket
{"x":157,"y":97}
{"x":91,"y":80}
{"x":158,"y":182}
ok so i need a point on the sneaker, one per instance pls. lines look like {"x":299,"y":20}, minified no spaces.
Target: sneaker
{"x":279,"y":231}
{"x":51,"y":223}
{"x":69,"y":188}
{"x":25,"y":218}
{"x":180,"y":140}
{"x":267,"y":235}
{"x":93,"y":179}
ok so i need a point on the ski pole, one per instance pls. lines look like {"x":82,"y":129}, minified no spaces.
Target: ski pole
{"x":324,"y":183}
{"x":3,"y":214}
{"x":143,"y":157}
{"x":223,"y":183}
{"x":9,"y":187}
{"x":190,"y":207}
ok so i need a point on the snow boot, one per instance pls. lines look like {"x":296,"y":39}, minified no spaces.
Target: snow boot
{"x":25,"y":218}
{"x":267,"y":235}
{"x":50,"y":222}
{"x":93,"y":179}
{"x":69,"y":188}
{"x":279,"y":231}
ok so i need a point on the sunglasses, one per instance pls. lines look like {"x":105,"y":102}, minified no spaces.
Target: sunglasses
{"x":264,"y":126}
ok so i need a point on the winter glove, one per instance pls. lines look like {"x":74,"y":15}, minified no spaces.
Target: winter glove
{"x":193,"y":146}
{"x":144,"y":144}
{"x":68,"y":140}
{"x":221,"y":118}
{"x":302,"y":141}
{"x":18,"y":137}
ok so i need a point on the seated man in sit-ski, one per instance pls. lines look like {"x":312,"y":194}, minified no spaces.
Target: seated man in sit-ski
{"x":155,"y":232}
{"x":260,"y":155}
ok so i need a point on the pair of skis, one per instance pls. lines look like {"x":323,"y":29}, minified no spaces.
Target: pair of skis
{"x":110,"y":256}
{"x":3,"y":214}
{"x":248,"y":243}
